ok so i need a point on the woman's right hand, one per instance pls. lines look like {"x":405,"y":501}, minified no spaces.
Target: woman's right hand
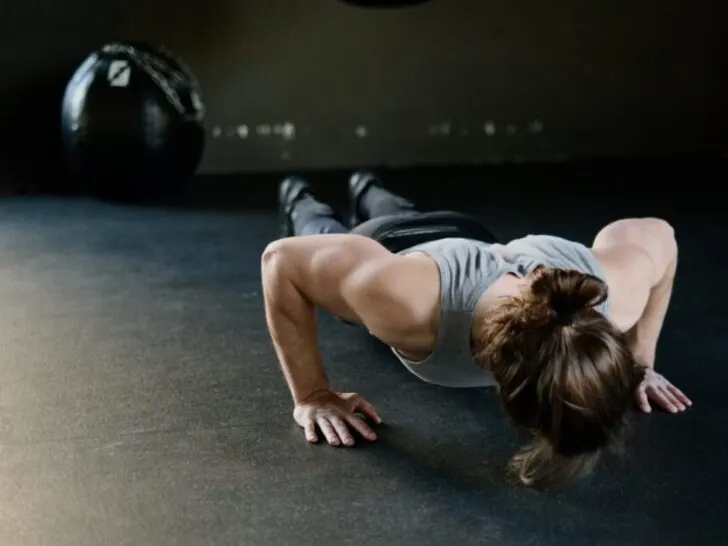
{"x":335,"y":415}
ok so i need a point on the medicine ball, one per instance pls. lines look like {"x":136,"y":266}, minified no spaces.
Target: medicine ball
{"x":132,"y":122}
{"x":385,"y":3}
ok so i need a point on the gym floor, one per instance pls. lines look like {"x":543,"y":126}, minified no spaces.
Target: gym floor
{"x":141,"y":402}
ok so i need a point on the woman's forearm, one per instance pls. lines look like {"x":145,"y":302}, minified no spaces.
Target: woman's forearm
{"x":291,"y":320}
{"x":645,"y":334}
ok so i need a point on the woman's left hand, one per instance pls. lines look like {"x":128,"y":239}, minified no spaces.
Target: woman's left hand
{"x":655,"y":388}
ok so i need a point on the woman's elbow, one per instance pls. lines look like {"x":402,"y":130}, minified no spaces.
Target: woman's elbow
{"x":273,"y":264}
{"x":272,"y":252}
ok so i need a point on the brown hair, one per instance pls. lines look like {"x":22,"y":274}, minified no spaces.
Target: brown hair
{"x":564,"y":374}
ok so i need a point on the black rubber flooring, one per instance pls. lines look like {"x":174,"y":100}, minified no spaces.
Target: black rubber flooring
{"x":141,"y":402}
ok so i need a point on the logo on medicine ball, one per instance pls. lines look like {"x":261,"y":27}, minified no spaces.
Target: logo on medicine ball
{"x":119,"y":73}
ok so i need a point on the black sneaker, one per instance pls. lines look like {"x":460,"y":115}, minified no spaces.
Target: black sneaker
{"x":359,"y":183}
{"x":290,"y":191}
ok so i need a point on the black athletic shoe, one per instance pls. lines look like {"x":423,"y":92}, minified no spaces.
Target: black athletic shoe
{"x":359,"y":183}
{"x":290,"y":191}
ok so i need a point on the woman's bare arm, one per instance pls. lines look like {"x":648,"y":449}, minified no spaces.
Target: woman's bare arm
{"x":640,"y":258}
{"x":350,"y":276}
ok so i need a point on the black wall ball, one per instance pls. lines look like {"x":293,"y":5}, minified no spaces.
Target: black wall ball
{"x":132,"y":122}
{"x":385,"y":3}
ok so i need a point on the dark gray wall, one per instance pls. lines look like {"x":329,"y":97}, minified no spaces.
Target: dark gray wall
{"x":554,"y":79}
{"x":318,"y":83}
{"x":42,"y":42}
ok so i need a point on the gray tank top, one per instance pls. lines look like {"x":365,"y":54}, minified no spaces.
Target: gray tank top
{"x":467,"y":269}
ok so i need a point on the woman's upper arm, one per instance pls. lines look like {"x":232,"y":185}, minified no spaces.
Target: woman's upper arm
{"x":635,"y":255}
{"x":652,"y":238}
{"x":396,"y":297}
{"x":321,"y":267}
{"x":350,"y":276}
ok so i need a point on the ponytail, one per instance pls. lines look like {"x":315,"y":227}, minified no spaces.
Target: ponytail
{"x":540,"y":466}
{"x":564,"y":373}
{"x":561,"y":294}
